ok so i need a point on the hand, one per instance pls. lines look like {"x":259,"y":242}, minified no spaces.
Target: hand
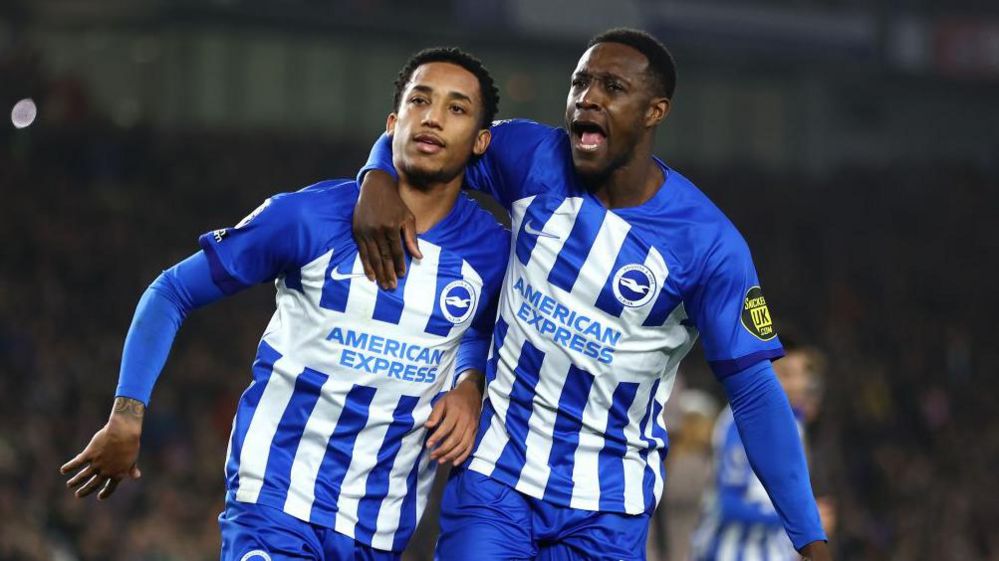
{"x":816,"y":551}
{"x":379,"y":217}
{"x":111,"y":454}
{"x":454,"y":421}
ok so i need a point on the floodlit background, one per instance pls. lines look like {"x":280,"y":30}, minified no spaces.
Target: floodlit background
{"x":855,"y":143}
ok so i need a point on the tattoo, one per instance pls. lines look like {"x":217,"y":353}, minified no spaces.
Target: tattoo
{"x":130,"y":407}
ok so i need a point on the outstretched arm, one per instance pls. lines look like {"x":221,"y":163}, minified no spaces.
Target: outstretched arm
{"x":770,"y":436}
{"x":112,"y":452}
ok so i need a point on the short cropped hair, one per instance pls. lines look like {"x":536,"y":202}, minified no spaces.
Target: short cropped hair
{"x":453,"y":55}
{"x":662,"y":68}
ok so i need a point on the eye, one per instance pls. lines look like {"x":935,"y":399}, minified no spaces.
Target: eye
{"x":418,"y":100}
{"x":579,"y":82}
{"x":615,"y":87}
{"x":458,"y":109}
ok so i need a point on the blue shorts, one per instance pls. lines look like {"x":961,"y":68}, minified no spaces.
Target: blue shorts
{"x":485,"y":520}
{"x":252,"y":532}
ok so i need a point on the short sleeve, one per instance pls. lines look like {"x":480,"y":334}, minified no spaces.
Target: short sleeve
{"x":269,"y":241}
{"x":729,"y":310}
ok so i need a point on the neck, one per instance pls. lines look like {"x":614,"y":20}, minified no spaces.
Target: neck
{"x":634,"y":182}
{"x":429,"y":203}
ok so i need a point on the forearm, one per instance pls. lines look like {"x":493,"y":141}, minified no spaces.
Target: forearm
{"x":773,"y":445}
{"x":158,"y":317}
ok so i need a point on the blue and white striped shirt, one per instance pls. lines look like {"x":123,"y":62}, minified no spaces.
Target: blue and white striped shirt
{"x":597,"y":309}
{"x":739,"y":522}
{"x":331,"y":428}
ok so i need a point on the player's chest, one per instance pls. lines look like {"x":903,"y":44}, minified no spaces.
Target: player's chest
{"x":438,"y":296}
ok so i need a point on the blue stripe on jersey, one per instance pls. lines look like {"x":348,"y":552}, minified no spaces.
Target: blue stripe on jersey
{"x":277,"y":475}
{"x":521,"y":404}
{"x":339,"y":452}
{"x":665,"y":303}
{"x":565,"y":434}
{"x":499,"y":335}
{"x":577,"y":246}
{"x":378,"y":481}
{"x":263,"y":366}
{"x":649,"y":477}
{"x":336,"y":291}
{"x":389,"y":303}
{"x":448,"y":269}
{"x":632,"y":251}
{"x":611,"y":458}
{"x":407,"y":511}
{"x":536,"y":215}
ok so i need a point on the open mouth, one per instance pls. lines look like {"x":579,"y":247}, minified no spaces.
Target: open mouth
{"x":428,"y":143}
{"x":589,"y":135}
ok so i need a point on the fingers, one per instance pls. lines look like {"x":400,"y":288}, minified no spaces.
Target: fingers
{"x":362,"y":250}
{"x":451,"y":447}
{"x":374,"y":260}
{"x":409,"y":233}
{"x":108,"y":488}
{"x":75,"y":463}
{"x":79,"y":478}
{"x":463,"y":450}
{"x":91,"y":485}
{"x":442,"y":439}
{"x":435,"y":416}
{"x":387,"y":251}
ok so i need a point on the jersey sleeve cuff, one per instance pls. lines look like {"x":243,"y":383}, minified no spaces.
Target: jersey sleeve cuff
{"x":220,"y":276}
{"x":727,"y":367}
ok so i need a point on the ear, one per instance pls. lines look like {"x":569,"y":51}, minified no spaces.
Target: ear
{"x":482,"y":140}
{"x":390,"y":123}
{"x":658,"y":110}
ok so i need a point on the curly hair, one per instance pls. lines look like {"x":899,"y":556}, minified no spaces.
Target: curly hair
{"x":453,"y":55}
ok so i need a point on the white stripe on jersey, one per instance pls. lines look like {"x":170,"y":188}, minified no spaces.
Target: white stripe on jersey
{"x":263,"y":426}
{"x":312,"y":449}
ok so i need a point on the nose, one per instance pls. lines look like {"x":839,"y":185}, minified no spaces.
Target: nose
{"x":432,"y":117}
{"x":588,"y":99}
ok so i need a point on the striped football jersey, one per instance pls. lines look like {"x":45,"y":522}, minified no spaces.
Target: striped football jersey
{"x":739,"y":522}
{"x":331,"y":429}
{"x":597,"y":309}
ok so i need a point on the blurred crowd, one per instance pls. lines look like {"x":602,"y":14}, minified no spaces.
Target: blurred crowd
{"x":887,"y":270}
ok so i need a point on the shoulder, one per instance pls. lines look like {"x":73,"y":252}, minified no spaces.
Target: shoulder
{"x":711,"y":239}
{"x":325,"y":201}
{"x":483,"y":241}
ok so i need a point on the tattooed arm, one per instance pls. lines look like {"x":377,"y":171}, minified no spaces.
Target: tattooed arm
{"x":111,"y":454}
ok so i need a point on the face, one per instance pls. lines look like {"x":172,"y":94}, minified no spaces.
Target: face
{"x":437,"y":127}
{"x":798,"y":378}
{"x":611,"y":108}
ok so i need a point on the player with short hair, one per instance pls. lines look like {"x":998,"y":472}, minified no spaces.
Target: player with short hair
{"x":739,"y":520}
{"x":618,"y":263}
{"x":330,"y":456}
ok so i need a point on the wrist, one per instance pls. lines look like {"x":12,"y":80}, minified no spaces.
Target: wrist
{"x":127,"y":414}
{"x":472,"y":381}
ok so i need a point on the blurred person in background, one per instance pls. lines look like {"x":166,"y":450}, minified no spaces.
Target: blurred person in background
{"x":739,"y":519}
{"x":620,"y":264}
{"x":327,"y":459}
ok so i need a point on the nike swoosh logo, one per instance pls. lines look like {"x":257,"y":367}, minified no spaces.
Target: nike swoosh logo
{"x":530,"y":229}
{"x":337,"y":275}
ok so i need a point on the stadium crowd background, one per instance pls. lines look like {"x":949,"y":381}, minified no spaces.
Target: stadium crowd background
{"x":883,"y":263}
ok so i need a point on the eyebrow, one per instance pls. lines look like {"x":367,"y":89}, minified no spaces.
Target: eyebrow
{"x":454,"y":95}
{"x":601,"y":76}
